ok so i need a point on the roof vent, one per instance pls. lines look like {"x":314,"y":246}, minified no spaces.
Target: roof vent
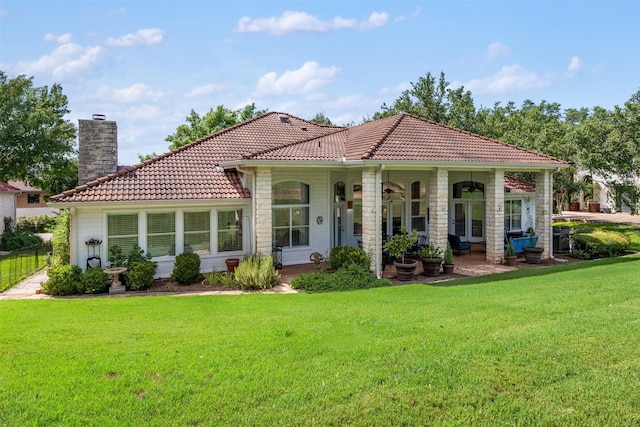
{"x":99,"y":117}
{"x":304,"y":129}
{"x":284,"y":119}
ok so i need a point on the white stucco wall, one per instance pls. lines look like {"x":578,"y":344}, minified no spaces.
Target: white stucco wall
{"x":7,"y":208}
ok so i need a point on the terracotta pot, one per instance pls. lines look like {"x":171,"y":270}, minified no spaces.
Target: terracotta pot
{"x":574,"y":206}
{"x":447,"y":268}
{"x":511,"y":260}
{"x":232,"y":263}
{"x":406,"y":270}
{"x":431,"y":266}
{"x":593,"y":207}
{"x":532,"y":255}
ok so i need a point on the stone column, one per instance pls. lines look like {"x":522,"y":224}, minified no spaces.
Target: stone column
{"x":544,"y":192}
{"x":371,"y":219}
{"x":438,"y":194}
{"x":263,"y":213}
{"x":494,"y":216}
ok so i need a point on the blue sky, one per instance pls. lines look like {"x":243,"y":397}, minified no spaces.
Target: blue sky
{"x":146,"y":64}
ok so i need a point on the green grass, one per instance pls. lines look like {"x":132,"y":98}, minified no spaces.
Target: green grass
{"x":558,"y":347}
{"x":632,"y":231}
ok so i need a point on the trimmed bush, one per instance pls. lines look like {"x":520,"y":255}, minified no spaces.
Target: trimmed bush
{"x":13,"y":239}
{"x":139,"y":275}
{"x":344,"y":255}
{"x":256,"y":272}
{"x":64,"y":280}
{"x":186,"y":269}
{"x":349,"y":277}
{"x":94,"y":281}
{"x":600,"y":244}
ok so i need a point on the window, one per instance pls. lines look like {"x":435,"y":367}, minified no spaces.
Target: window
{"x":197,"y":233}
{"x":512,"y":215}
{"x":357,"y":209}
{"x":340,"y":192}
{"x":230,"y":230}
{"x":290,"y":214}
{"x":161,"y":234}
{"x":468,"y":190}
{"x":33,"y":199}
{"x":418,"y":206}
{"x":122,"y":231}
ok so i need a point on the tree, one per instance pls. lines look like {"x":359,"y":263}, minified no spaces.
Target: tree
{"x":213,"y":121}
{"x":35,"y":139}
{"x":321,"y":119}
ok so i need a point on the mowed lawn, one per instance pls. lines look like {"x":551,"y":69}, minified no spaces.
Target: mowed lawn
{"x":558,"y":348}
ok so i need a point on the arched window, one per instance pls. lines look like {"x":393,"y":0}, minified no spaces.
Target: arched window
{"x":468,"y":190}
{"x":290,"y":223}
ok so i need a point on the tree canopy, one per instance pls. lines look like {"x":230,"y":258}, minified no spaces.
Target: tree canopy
{"x":213,"y":121}
{"x":36,"y":142}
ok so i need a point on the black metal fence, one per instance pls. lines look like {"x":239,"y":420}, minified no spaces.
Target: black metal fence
{"x":19,"y":264}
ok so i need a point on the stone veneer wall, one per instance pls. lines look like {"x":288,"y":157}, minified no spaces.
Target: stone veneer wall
{"x":263,"y":231}
{"x":371,"y":218}
{"x":494,"y":216}
{"x":438,"y":192}
{"x":98,"y":149}
{"x":544,"y":189}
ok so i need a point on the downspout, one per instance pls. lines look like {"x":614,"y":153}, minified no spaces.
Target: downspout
{"x":252,"y":224}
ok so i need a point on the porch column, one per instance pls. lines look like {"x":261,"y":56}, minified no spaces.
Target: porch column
{"x":438,"y":193}
{"x":263,"y":213}
{"x":544,"y":191}
{"x":494,"y":216}
{"x":371,"y":219}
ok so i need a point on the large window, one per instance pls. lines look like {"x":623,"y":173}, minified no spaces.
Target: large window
{"x":230,"y":230}
{"x":122,"y":231}
{"x":197,"y":232}
{"x":418,"y":206}
{"x":161,"y":234}
{"x":357,"y":209}
{"x":33,"y":199}
{"x":291,"y":214}
{"x":512,"y":215}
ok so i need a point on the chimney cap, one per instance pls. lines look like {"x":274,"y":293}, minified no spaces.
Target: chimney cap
{"x":99,"y":117}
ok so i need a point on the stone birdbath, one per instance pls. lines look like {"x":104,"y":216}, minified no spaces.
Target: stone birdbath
{"x":116,"y":286}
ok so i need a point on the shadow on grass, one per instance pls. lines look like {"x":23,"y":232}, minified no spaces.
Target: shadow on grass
{"x":533,"y":272}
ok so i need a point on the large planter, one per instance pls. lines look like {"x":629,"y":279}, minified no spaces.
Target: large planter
{"x":447,"y":268}
{"x":593,"y":207}
{"x":431,"y":266}
{"x":574,"y":206}
{"x":532,"y":255}
{"x":406,"y":270}
{"x":511,"y":260}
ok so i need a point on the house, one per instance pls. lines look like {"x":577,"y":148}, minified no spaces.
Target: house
{"x":31,"y":200}
{"x":8,"y":195}
{"x":278,"y":180}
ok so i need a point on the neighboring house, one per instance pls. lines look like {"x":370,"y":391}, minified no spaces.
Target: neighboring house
{"x":8,"y":195}
{"x":280,"y":180}
{"x":30,"y":200}
{"x":599,"y":193}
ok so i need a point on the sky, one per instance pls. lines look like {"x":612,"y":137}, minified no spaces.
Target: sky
{"x":147,"y":64}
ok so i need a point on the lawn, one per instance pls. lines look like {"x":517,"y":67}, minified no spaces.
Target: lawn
{"x":560,"y":347}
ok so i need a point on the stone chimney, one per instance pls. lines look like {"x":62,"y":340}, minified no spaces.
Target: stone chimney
{"x":98,"y":148}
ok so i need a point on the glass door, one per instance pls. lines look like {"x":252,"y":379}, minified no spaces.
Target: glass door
{"x":468,"y":221}
{"x":391,"y":219}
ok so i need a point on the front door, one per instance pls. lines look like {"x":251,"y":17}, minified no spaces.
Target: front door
{"x":468,"y":221}
{"x":339,"y":222}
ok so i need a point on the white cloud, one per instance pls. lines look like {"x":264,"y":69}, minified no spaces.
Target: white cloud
{"x":305,"y":79}
{"x":575,"y":66}
{"x":66,"y":61}
{"x":509,"y":79}
{"x":204,"y":90}
{"x":61,"y":39}
{"x":397,"y":90}
{"x":496,"y":49}
{"x":291,"y":22}
{"x":144,"y":37}
{"x":135,"y":93}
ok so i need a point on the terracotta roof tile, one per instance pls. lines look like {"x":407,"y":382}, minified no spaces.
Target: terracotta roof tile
{"x":23,"y":186}
{"x":515,"y":185}
{"x":5,"y":187}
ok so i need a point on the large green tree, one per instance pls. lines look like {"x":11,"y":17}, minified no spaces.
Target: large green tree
{"x":213,"y":121}
{"x":36,"y":141}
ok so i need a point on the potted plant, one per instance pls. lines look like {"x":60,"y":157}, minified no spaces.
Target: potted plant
{"x":447,"y":266}
{"x":532,"y":253}
{"x":511,"y":256}
{"x":397,"y":247}
{"x":431,"y":257}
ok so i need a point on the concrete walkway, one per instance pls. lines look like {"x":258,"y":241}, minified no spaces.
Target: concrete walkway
{"x":27,"y":289}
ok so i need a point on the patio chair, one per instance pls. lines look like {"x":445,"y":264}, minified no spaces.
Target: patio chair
{"x":458,"y":245}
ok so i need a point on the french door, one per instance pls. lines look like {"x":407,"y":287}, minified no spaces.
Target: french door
{"x":468,"y":221}
{"x":391,"y":218}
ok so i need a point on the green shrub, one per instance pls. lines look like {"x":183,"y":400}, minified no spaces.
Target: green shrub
{"x":213,"y":278}
{"x":64,"y":280}
{"x":186,"y":269}
{"x":36,"y":224}
{"x":600,"y":244}
{"x":349,"y":277}
{"x":341,"y":256}
{"x":256,"y":272}
{"x":139,"y":275}
{"x":13,"y":239}
{"x":94,"y":281}
{"x":60,"y":240}
{"x":227,"y":280}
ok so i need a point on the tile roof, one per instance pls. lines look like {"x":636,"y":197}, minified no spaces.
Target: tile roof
{"x":4,"y":187}
{"x":191,"y":173}
{"x":23,"y":186}
{"x":515,"y":185}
